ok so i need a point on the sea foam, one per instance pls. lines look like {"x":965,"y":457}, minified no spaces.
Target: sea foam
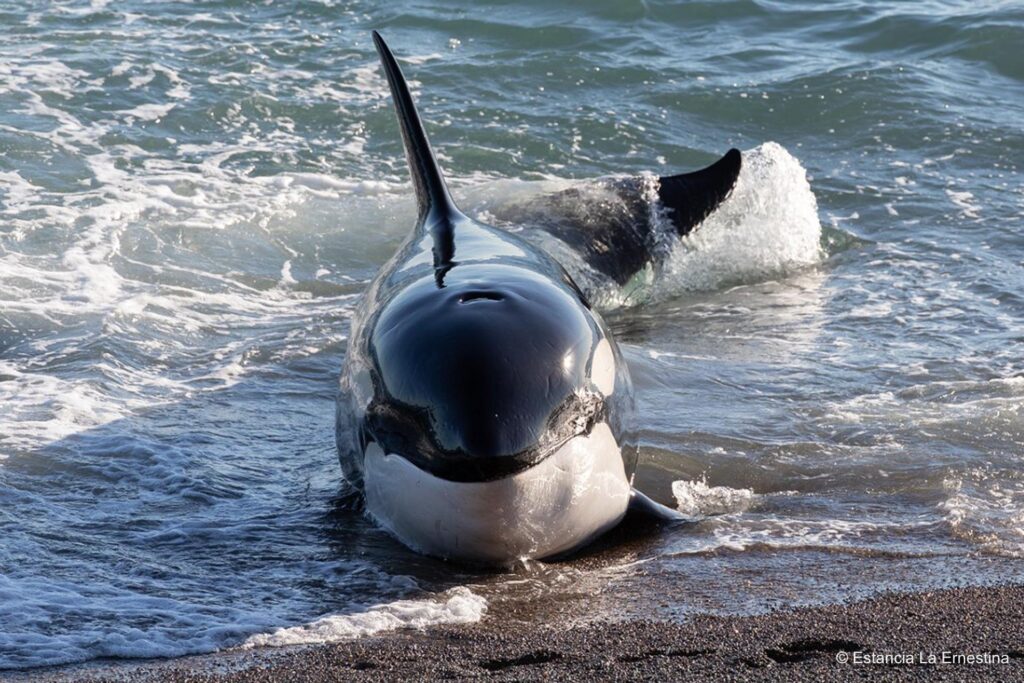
{"x":767,"y":228}
{"x":697,"y":499}
{"x":457,"y":606}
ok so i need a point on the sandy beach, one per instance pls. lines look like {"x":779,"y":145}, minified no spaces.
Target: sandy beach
{"x":954,"y":634}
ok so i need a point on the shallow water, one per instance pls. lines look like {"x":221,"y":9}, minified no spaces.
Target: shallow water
{"x":192,"y":197}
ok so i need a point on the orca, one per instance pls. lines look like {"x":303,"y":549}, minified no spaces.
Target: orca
{"x":485,"y":411}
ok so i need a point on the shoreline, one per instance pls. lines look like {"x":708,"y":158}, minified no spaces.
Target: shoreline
{"x":955,"y":634}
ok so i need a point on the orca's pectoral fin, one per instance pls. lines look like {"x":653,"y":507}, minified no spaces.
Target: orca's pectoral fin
{"x":690,"y":197}
{"x":641,"y":506}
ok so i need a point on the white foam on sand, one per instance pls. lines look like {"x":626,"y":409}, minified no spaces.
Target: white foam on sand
{"x":986,"y":509}
{"x":740,"y":533}
{"x":457,"y":606}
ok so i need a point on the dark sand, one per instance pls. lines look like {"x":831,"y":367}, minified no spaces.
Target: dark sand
{"x":803,"y":644}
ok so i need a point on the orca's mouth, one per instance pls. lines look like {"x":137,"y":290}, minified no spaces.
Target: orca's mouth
{"x":561,"y":503}
{"x":408,"y":430}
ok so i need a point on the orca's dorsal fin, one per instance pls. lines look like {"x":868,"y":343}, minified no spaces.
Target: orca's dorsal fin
{"x":432,"y":197}
{"x":690,"y":197}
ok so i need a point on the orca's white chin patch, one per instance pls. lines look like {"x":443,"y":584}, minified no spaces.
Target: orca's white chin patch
{"x":557,"y":505}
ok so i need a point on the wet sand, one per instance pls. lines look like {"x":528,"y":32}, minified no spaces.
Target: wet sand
{"x":955,"y":634}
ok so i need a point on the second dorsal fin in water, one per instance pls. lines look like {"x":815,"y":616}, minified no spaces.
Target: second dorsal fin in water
{"x":691,"y":197}
{"x":434,"y":203}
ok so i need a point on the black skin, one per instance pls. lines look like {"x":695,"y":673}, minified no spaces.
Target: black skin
{"x":491,"y":420}
{"x":471,"y":352}
{"x":614,"y":236}
{"x":471,"y":378}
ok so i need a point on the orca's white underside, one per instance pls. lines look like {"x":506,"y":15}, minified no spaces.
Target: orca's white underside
{"x":567,"y":499}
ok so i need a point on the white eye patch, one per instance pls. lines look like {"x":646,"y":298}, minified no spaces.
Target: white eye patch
{"x":602,"y":368}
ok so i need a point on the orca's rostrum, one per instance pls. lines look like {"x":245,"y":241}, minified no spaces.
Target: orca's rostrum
{"x":485,"y":410}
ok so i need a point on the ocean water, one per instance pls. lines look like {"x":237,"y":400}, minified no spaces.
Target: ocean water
{"x":829,"y":373}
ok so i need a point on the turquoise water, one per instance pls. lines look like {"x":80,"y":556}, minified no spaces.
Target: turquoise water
{"x":193,"y":195}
